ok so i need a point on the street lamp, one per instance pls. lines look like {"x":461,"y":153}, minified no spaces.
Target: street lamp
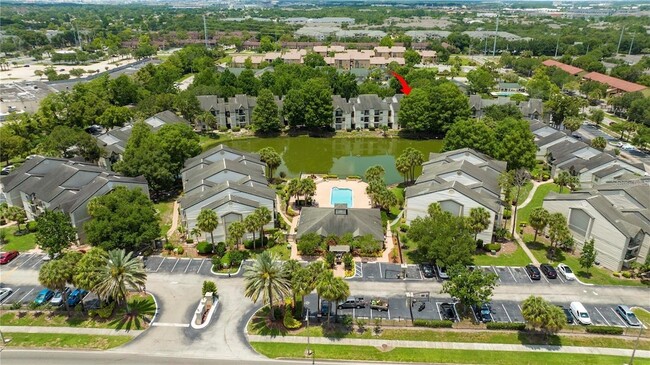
{"x":636,"y":344}
{"x":309,"y":352}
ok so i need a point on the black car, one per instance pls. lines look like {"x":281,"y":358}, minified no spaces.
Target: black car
{"x":427,"y":271}
{"x":567,"y":313}
{"x":548,"y":270}
{"x":447,"y":312}
{"x":484,"y":313}
{"x":533,"y":272}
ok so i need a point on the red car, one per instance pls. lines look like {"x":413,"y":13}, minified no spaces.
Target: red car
{"x":6,"y":257}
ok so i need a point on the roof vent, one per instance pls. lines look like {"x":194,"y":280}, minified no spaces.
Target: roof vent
{"x":341,"y":209}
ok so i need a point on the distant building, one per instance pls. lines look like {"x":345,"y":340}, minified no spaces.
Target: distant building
{"x":532,"y":109}
{"x":571,"y":70}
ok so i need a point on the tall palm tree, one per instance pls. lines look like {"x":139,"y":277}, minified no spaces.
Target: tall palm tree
{"x":251,"y":225}
{"x":56,"y":274}
{"x":332,"y":289}
{"x":307,"y":188}
{"x":264,"y":217}
{"x":538,"y":218}
{"x":479,"y":220}
{"x":122,"y":273}
{"x":562,"y":179}
{"x":236,"y":230}
{"x":293,"y":189}
{"x":208,"y":221}
{"x":266,"y":278}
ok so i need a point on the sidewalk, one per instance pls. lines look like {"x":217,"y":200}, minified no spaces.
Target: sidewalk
{"x":71,"y":330}
{"x":452,"y":345}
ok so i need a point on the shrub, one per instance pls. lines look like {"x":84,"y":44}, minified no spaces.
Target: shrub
{"x":354,"y":177}
{"x":189,"y":241}
{"x":605,"y":330}
{"x":367,"y":245}
{"x":347,"y":321}
{"x":626,"y":274}
{"x":348,"y":129}
{"x":103,"y":312}
{"x":515,"y":326}
{"x":479,"y":243}
{"x":179,"y":250}
{"x":546,"y":176}
{"x":348,"y":261}
{"x":433,"y":323}
{"x":404,"y":227}
{"x":220,"y":249}
{"x":168,"y":246}
{"x":209,"y":286}
{"x":15,"y":305}
{"x":236,"y":129}
{"x":204,"y":248}
{"x":289,"y":322}
{"x":226,"y":260}
{"x":372,"y":129}
{"x":223,"y":128}
{"x":507,"y":213}
{"x":330,"y":258}
{"x":310,"y":244}
{"x":32,"y":226}
{"x":493,"y":247}
{"x":616,"y":274}
{"x":236,"y":257}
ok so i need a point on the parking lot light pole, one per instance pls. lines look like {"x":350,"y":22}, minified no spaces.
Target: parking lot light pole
{"x":636,"y":344}
{"x":309,"y":352}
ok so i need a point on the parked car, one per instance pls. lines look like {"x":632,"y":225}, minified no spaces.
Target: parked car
{"x":427,"y":271}
{"x":442,"y":272}
{"x":548,"y":270}
{"x":447,"y":312}
{"x":7,"y":169}
{"x":533,"y":272}
{"x":352,"y":302}
{"x":325,"y":307}
{"x":567,"y":313}
{"x":5,"y":293}
{"x":578,"y":310}
{"x":577,"y":136}
{"x":627,"y":315}
{"x":566,"y":272}
{"x":6,"y":257}
{"x":76,"y":296}
{"x":379,"y":304}
{"x":484,"y":313}
{"x":57,"y":299}
{"x":43,"y":296}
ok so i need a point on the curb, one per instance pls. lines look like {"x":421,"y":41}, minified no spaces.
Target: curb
{"x":225,"y":274}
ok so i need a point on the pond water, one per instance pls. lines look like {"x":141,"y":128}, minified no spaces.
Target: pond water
{"x":339,"y":156}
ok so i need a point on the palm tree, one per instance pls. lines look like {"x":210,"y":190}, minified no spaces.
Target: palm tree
{"x":539,"y":218}
{"x":333,"y":289}
{"x":293,"y":189}
{"x":196,"y":232}
{"x":302,"y":283}
{"x":236,"y":230}
{"x":599,"y":143}
{"x":251,"y":225}
{"x":266,"y":278}
{"x":56,"y":274}
{"x":122,"y":273}
{"x":271,"y":158}
{"x":533,"y":309}
{"x":562,"y":179}
{"x":307,"y":188}
{"x":208,"y":221}
{"x":375,"y":173}
{"x":479,"y":220}
{"x":264,"y":217}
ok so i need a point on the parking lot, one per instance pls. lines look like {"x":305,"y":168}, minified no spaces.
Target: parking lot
{"x":26,"y":261}
{"x":173,"y":265}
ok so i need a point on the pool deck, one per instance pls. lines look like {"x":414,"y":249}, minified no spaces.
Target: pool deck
{"x":323,"y":196}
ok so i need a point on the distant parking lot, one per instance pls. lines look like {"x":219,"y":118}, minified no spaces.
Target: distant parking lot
{"x":26,"y":261}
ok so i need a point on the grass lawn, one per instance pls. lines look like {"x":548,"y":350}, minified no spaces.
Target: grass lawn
{"x":281,"y":251}
{"x":643,"y":315}
{"x":346,"y":352}
{"x":19,"y":243}
{"x":66,"y":341}
{"x":516,"y":258}
{"x":165,"y":211}
{"x":525,"y":190}
{"x":523,"y":338}
{"x":595,"y":275}
{"x":538,"y":199}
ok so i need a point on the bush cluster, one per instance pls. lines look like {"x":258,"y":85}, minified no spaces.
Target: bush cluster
{"x":605,"y":330}
{"x":289,"y":322}
{"x":104,"y":312}
{"x":204,"y":248}
{"x":432,"y":323}
{"x":506,"y":326}
{"x":493,"y":246}
{"x":209,"y":286}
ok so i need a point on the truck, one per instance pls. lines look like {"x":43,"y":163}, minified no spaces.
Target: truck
{"x":353,"y":302}
{"x":380,"y":304}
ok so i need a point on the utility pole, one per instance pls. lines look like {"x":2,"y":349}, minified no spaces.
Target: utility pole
{"x":636,"y":344}
{"x":631,"y":44}
{"x":494,"y":48}
{"x":205,"y":31}
{"x":485,"y":51}
{"x":620,"y":38}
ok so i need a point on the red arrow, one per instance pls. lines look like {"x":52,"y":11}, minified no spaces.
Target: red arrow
{"x":406,"y":89}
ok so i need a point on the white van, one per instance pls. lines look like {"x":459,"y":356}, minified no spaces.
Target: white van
{"x":578,"y":310}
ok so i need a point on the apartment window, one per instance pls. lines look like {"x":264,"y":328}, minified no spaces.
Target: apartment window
{"x":339,"y":113}
{"x":579,"y":222}
{"x":452,"y":207}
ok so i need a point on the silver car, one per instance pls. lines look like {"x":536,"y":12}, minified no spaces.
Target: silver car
{"x":57,"y":299}
{"x":5,"y":293}
{"x":627,"y":315}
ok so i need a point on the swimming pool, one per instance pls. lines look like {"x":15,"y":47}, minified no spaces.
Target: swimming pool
{"x":341,"y":196}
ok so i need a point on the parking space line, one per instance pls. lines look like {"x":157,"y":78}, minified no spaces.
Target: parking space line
{"x":618,"y":316}
{"x":361,"y":268}
{"x":380,"y":274}
{"x":25,"y":296}
{"x":511,"y":274}
{"x":175,"y":263}
{"x":160,"y":264}
{"x":544,"y":276}
{"x":474,"y":313}
{"x":188,"y":266}
{"x":601,"y":315}
{"x":31,"y":256}
{"x":6,"y":300}
{"x":200,"y":266}
{"x":388,"y":312}
{"x":506,"y":311}
{"x":37,"y":262}
{"x":560,"y":277}
{"x":495,"y":271}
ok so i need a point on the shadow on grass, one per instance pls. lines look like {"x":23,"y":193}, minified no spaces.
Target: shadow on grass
{"x":137,"y":312}
{"x":551,"y":254}
{"x":538,"y":338}
{"x":262,"y":325}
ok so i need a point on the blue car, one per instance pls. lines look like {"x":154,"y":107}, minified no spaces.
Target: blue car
{"x":76,"y":296}
{"x":43,"y":296}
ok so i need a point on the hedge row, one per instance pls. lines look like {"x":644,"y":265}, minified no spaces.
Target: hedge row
{"x":605,"y":330}
{"x":432,"y":323}
{"x":506,"y":326}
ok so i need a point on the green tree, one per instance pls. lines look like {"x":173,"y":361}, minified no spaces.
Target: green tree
{"x":470,"y":133}
{"x":411,"y":159}
{"x":271,"y":158}
{"x":588,"y":255}
{"x":478,"y":220}
{"x":538,"y":220}
{"x":471,"y":287}
{"x":125,"y":219}
{"x":540,"y":86}
{"x":572,"y":123}
{"x":333,"y":290}
{"x":145,"y":48}
{"x":387,"y":41}
{"x":180,"y":143}
{"x":565,"y":179}
{"x":500,"y":112}
{"x":433,"y":109}
{"x":88,"y":270}
{"x":266,"y":44}
{"x":56,"y":274}
{"x":266,"y":117}
{"x":302,"y":283}
{"x":208,"y":221}
{"x":543,"y":315}
{"x":318,"y":109}
{"x":17,"y":215}
{"x":68,"y":142}
{"x":123,"y":90}
{"x":639,"y":111}
{"x":248,"y":83}
{"x":516,"y":144}
{"x":266,"y":278}
{"x":562,"y":107}
{"x":307,"y":188}
{"x":293,"y":108}
{"x":375,"y":172}
{"x":121,"y":273}
{"x":13,"y":145}
{"x":559,"y":233}
{"x":115,"y":116}
{"x":597,"y":116}
{"x":54,"y":232}
{"x":412,"y":58}
{"x":264,"y":216}
{"x":481,"y":81}
{"x":599,"y":143}
{"x":187,"y":105}
{"x":314,"y":60}
{"x":236,"y":230}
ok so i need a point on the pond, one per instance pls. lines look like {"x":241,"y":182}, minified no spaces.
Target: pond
{"x":338,"y":156}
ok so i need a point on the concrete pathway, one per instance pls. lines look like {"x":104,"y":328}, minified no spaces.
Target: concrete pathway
{"x":174,"y":225}
{"x":70,"y":330}
{"x":452,"y":345}
{"x":389,"y":243}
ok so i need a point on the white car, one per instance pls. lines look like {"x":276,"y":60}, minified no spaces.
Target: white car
{"x":442,"y":273}
{"x":566,"y":272}
{"x":5,"y":293}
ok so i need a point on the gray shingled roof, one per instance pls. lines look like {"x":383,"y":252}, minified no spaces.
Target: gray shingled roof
{"x":232,"y":198}
{"x":486,"y":178}
{"x":432,"y":187}
{"x":196,"y":179}
{"x":340,"y":103}
{"x":199,"y":196}
{"x":199,"y":159}
{"x":324,"y":222}
{"x":370,"y":101}
{"x":435,"y":157}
